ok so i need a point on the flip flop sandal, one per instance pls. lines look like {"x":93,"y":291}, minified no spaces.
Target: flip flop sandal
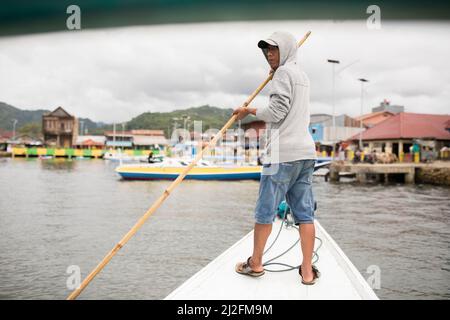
{"x":316,"y":275}
{"x":244,"y":268}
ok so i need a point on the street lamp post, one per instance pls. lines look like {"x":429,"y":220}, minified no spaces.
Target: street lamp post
{"x":114,"y":135}
{"x":123,"y":133}
{"x":362,"y":103}
{"x":82,"y":127}
{"x":333,"y":63}
{"x":185,"y":119}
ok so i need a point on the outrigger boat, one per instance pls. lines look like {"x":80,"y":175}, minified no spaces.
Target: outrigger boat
{"x":169,"y":169}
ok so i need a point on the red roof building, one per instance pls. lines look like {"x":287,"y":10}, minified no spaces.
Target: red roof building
{"x":374,"y":118}
{"x":397,"y":133}
{"x":410,"y":126}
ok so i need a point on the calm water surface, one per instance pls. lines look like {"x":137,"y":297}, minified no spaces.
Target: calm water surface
{"x":57,"y":213}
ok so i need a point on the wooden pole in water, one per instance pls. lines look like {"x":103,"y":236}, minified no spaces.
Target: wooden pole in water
{"x":167,"y":192}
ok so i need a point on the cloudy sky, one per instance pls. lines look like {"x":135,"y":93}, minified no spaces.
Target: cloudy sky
{"x":112,"y":75}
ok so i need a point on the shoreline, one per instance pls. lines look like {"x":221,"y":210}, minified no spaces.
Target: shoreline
{"x":436,"y":173}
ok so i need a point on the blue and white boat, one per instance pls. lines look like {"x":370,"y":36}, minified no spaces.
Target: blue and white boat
{"x":169,"y":169}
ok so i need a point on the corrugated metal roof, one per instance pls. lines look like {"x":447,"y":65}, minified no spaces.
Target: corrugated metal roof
{"x":119,"y":133}
{"x":409,"y":126}
{"x":59,"y":112}
{"x":147,"y":132}
{"x":373,"y":114}
{"x":139,"y":140}
{"x":119,"y":143}
{"x":129,"y":133}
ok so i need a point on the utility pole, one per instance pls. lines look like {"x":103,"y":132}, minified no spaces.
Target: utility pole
{"x":14,"y":128}
{"x":82,"y":127}
{"x":185,"y":119}
{"x":123,"y":133}
{"x":362,"y":104}
{"x":333,"y":63}
{"x":114,"y":135}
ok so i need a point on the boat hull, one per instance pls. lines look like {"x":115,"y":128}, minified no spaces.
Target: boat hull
{"x":131,"y":172}
{"x":200,"y":173}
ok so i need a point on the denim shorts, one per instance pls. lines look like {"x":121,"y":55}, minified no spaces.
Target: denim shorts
{"x":287,"y":180}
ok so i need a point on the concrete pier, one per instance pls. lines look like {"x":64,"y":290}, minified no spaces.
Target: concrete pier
{"x":377,"y":172}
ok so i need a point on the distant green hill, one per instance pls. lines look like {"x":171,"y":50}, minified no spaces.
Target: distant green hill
{"x":93,"y":128}
{"x":8,"y":113}
{"x":211,"y":117}
{"x":30,"y":121}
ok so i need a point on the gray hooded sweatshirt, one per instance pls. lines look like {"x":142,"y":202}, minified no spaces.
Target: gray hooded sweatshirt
{"x":287,"y":115}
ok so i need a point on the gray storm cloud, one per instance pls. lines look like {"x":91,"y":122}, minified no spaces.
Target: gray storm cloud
{"x":115,"y":74}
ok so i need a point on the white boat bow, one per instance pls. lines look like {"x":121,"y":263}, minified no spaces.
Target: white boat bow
{"x":218,"y":280}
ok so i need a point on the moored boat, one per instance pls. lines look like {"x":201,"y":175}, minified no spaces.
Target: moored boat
{"x":169,"y":169}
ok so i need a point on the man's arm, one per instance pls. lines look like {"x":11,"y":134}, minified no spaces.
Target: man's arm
{"x":279,"y":104}
{"x":280,"y":99}
{"x":243,"y":112}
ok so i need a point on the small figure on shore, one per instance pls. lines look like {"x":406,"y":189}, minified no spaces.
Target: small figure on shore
{"x":357,"y":157}
{"x":150,"y":157}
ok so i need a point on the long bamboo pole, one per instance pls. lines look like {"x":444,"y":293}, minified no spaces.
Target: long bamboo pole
{"x":167,"y":192}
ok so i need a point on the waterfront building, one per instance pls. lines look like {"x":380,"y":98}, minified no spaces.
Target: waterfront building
{"x":399,"y":133}
{"x":90,"y":142}
{"x":325,"y":134}
{"x":137,"y":139}
{"x":59,"y":128}
{"x":371,"y":119}
{"x":386,"y":105}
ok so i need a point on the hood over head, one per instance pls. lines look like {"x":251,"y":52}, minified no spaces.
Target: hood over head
{"x":286,"y":43}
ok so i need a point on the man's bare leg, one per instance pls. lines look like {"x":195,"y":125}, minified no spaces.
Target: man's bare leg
{"x":260,"y":236}
{"x":307,"y":236}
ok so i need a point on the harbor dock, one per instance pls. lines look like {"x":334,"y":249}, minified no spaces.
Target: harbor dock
{"x":72,"y":152}
{"x":433,"y":173}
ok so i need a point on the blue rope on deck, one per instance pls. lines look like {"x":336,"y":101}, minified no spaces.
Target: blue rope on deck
{"x":288,"y":223}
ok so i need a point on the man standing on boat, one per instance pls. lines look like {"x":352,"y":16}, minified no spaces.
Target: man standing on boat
{"x":289,"y":158}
